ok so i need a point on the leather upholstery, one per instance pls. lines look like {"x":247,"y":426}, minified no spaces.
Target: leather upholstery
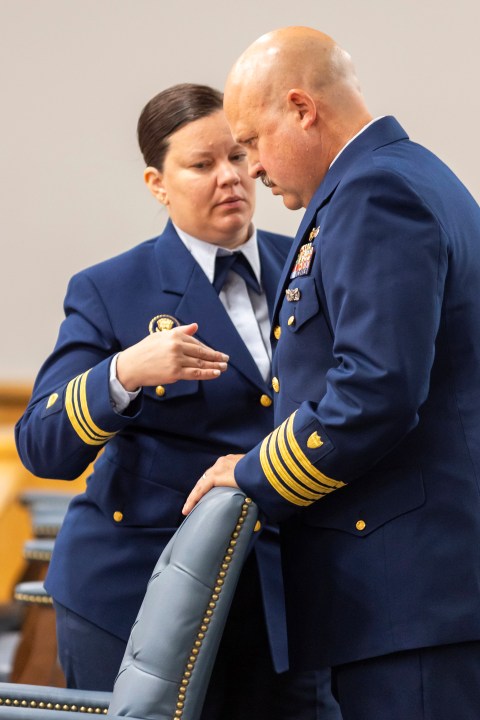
{"x":173,"y":643}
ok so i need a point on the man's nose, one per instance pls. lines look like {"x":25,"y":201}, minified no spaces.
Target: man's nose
{"x":255,"y":169}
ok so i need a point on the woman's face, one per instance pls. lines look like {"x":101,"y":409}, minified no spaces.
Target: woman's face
{"x":205,"y":183}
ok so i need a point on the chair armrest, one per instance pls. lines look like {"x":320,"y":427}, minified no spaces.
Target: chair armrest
{"x":174,"y":642}
{"x":19,"y":696}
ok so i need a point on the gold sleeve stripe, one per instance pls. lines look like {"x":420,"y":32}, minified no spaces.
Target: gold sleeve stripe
{"x":288,"y":479}
{"x":305,"y":462}
{"x":74,"y":413}
{"x":270,"y":475}
{"x":73,"y":418}
{"x":81,"y":409}
{"x":292,"y":464}
{"x":83,"y":402}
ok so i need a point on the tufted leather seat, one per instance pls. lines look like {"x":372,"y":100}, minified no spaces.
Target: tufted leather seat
{"x":174,"y":641}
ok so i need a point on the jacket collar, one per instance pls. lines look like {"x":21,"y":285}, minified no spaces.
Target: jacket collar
{"x":384,"y":131}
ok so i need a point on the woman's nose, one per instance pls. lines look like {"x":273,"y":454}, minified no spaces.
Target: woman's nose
{"x":228,"y":174}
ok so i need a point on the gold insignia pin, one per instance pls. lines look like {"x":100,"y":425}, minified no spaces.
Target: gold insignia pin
{"x":52,"y":400}
{"x":314,"y":441}
{"x":314,"y":233}
{"x":162,"y":322}
{"x":293,"y":294}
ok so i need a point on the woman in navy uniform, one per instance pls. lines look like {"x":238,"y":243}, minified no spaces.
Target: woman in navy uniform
{"x":133,"y":373}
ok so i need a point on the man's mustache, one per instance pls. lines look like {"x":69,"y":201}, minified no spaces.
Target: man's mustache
{"x":266,"y":180}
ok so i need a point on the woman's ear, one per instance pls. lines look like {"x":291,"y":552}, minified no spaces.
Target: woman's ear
{"x":154,"y":181}
{"x":303,"y":105}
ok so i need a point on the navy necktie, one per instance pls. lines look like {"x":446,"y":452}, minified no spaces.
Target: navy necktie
{"x":236,"y":262}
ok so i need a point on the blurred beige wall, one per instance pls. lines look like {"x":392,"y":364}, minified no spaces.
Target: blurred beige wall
{"x":76,"y":73}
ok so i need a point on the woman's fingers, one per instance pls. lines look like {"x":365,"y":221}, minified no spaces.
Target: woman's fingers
{"x":168,"y":356}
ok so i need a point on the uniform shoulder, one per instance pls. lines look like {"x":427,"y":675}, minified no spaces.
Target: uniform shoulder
{"x":129,"y":262}
{"x":274,"y":240}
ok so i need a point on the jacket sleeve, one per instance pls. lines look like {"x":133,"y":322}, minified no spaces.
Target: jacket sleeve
{"x":70,"y":416}
{"x":383,"y":260}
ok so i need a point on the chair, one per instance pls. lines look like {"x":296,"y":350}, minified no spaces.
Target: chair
{"x":174,"y":640}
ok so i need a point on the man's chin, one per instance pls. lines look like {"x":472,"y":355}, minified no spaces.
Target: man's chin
{"x":292,"y":202}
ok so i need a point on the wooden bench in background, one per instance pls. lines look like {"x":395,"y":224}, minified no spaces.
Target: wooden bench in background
{"x":35,"y":656}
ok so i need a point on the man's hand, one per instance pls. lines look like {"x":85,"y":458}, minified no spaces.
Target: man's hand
{"x":220,"y":474}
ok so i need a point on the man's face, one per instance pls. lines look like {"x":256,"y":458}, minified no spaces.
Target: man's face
{"x":273,"y":145}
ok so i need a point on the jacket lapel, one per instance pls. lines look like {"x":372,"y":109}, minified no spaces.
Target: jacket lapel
{"x":382,"y":132}
{"x":198,"y":302}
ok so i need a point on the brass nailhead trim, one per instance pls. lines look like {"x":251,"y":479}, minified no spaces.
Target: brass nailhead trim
{"x":34,"y":599}
{"x":44,"y":705}
{"x":209,"y":610}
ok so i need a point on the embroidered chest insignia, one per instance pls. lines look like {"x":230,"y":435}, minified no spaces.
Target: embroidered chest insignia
{"x":303,"y":261}
{"x":293,"y":294}
{"x":162,"y":322}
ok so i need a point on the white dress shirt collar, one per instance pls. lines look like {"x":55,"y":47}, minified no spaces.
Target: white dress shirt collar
{"x":205,"y":253}
{"x":355,"y":137}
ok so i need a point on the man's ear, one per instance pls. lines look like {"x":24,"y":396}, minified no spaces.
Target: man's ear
{"x":304,"y":105}
{"x":154,"y":181}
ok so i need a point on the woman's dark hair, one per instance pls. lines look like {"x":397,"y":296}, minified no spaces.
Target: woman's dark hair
{"x":169,"y":111}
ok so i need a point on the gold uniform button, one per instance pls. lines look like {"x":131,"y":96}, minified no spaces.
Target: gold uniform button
{"x":275,"y":384}
{"x":360,"y":524}
{"x":291,"y":320}
{"x":265,"y":400}
{"x":160,"y":390}
{"x":258,"y":526}
{"x":118,"y":516}
{"x":277,"y":331}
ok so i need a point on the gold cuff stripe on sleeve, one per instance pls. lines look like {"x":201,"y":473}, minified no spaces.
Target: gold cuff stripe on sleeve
{"x":73,"y":418}
{"x":272,"y":479}
{"x":294,"y":467}
{"x":289,"y":479}
{"x":74,"y":413}
{"x":80,"y":406}
{"x":86,"y":413}
{"x":305,"y":462}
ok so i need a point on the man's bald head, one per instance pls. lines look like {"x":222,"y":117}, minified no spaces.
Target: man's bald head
{"x":292,"y":57}
{"x":295,"y":83}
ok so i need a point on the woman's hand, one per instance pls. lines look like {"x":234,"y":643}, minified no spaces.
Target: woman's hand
{"x":220,"y":474}
{"x":168,"y":356}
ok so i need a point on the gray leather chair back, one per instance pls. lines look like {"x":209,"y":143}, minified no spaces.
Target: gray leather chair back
{"x":173,"y":643}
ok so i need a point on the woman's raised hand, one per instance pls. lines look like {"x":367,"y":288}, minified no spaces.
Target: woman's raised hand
{"x":167,"y":356}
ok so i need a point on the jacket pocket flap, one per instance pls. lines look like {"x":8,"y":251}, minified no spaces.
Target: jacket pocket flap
{"x":300,"y":311}
{"x":368,"y":503}
{"x":130,"y":500}
{"x":164,"y":393}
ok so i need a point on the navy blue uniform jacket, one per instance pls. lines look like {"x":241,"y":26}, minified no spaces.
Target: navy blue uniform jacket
{"x":374,"y":466}
{"x":154,"y":452}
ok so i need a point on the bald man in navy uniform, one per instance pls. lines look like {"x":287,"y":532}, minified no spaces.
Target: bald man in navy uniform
{"x":373,"y":469}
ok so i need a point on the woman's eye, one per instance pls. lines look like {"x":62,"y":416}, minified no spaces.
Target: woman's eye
{"x":239,"y":157}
